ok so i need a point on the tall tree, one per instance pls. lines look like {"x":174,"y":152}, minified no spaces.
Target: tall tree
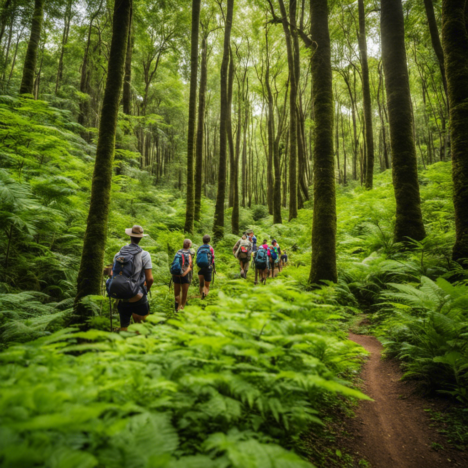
{"x":367,"y":96}
{"x":29,"y":67}
{"x":455,"y":42}
{"x":324,"y":217}
{"x":127,"y":86}
{"x":292,"y":104}
{"x":409,"y":222}
{"x":92,"y":257}
{"x":201,"y":127}
{"x":218,"y":226}
{"x":435,"y":39}
{"x":192,"y":120}
{"x":66,"y":31}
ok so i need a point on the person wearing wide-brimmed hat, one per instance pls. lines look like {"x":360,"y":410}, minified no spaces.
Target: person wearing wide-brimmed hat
{"x":138,"y":306}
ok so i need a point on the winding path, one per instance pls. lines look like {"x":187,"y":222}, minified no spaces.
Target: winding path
{"x":393,"y":431}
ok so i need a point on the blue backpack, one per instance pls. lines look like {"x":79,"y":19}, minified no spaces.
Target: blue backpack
{"x":261,"y":258}
{"x":204,"y":257}
{"x":177,"y":266}
{"x":128,"y":275}
{"x":274,"y":252}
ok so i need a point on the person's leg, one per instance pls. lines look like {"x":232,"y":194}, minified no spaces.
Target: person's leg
{"x":246,"y":268}
{"x":241,"y":268}
{"x":207,"y":287}
{"x":125,"y":316}
{"x":201,"y":287}
{"x":183,"y":301}
{"x":177,"y":295}
{"x":207,"y":276}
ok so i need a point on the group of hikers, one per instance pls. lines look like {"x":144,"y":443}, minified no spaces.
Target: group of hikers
{"x":131,"y":278}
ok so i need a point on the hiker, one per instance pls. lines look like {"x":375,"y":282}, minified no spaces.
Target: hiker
{"x":284,"y":258}
{"x":252,"y":239}
{"x":206,"y":264}
{"x":181,"y":270}
{"x":275,"y":256}
{"x":131,"y":279}
{"x":262,"y":261}
{"x":242,"y":251}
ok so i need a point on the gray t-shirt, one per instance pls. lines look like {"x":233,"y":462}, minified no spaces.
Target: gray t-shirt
{"x":145,"y":260}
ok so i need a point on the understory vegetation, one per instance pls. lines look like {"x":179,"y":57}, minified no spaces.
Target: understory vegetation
{"x":235,"y":380}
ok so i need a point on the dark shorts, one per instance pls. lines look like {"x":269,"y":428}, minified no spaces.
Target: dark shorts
{"x":207,"y":274}
{"x":284,"y":258}
{"x":126,"y":309}
{"x":181,"y":279}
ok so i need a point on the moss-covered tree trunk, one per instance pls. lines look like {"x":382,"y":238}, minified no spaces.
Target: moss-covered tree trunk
{"x":324,"y":217}
{"x":455,"y":42}
{"x":366,"y":97}
{"x":201,"y":129}
{"x":292,"y":108}
{"x":27,"y":82}
{"x":127,"y":86}
{"x":409,"y":222}
{"x":92,"y":257}
{"x":218,"y":225}
{"x":192,"y":119}
{"x":435,"y":39}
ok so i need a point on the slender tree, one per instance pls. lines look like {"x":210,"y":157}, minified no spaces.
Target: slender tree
{"x":218,"y":226}
{"x":292,"y":105}
{"x":127,"y":86}
{"x":324,"y":217}
{"x":92,"y":257}
{"x":455,"y":42}
{"x":192,"y":120}
{"x":29,"y":67}
{"x":367,"y":96}
{"x":201,"y":128}
{"x":409,"y":222}
{"x":435,"y":39}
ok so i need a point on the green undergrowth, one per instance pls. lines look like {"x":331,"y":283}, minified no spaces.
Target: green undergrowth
{"x":233,"y":384}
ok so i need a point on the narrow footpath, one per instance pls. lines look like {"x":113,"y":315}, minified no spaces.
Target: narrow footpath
{"x":394,"y":431}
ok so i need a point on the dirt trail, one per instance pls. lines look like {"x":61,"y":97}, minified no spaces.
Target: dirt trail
{"x":393,"y":431}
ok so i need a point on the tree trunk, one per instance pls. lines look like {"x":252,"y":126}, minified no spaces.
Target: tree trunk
{"x":200,"y":130}
{"x":127,"y":86}
{"x":66,"y":30}
{"x":92,"y":257}
{"x":435,"y":39}
{"x":190,"y":207}
{"x":235,"y":171}
{"x":27,"y":82}
{"x":324,"y":216}
{"x":409,"y":222}
{"x":292,"y":106}
{"x":366,"y":97}
{"x":4,"y":18}
{"x":218,"y":226}
{"x":455,"y":41}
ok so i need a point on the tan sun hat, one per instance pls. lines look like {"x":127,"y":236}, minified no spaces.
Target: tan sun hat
{"x":135,"y":231}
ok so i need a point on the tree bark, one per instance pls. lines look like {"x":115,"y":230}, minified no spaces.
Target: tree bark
{"x":455,"y":41}
{"x":200,"y":129}
{"x":190,"y":207}
{"x":66,"y":31}
{"x":292,"y":107}
{"x":92,"y":257}
{"x":218,"y":226}
{"x":4,"y":18}
{"x":324,"y":217}
{"x":366,"y":97}
{"x":409,"y":222}
{"x":27,"y":82}
{"x":435,"y":39}
{"x":127,"y":86}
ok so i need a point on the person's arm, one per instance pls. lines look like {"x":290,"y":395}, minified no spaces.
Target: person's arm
{"x":149,"y":279}
{"x":236,"y":247}
{"x":212,"y":256}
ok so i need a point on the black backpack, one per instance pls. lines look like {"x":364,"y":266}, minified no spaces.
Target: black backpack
{"x":128,"y":275}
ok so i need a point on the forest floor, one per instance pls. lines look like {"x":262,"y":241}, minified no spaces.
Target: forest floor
{"x":394,"y":430}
